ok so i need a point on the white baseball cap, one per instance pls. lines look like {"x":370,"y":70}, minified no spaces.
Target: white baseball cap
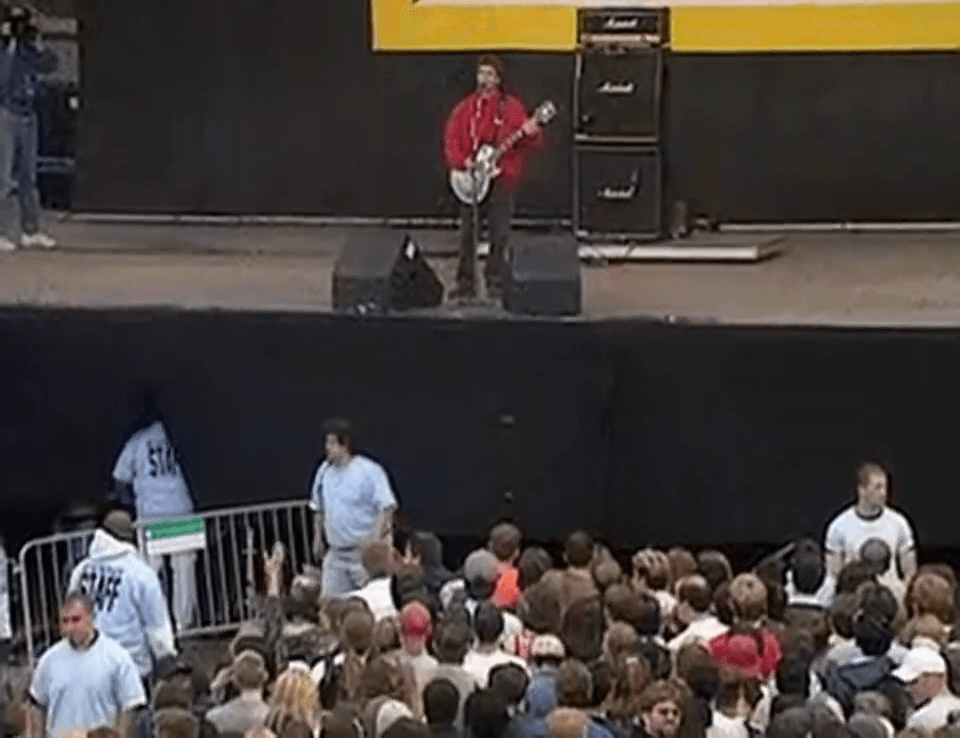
{"x":920,"y":661}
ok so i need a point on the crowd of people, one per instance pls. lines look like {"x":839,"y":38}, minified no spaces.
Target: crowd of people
{"x":847,"y":638}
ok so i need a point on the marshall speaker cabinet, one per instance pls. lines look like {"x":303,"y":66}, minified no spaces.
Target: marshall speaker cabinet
{"x":618,"y":94}
{"x":618,"y":192}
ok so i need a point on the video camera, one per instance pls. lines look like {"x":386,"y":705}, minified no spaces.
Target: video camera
{"x":19,"y":23}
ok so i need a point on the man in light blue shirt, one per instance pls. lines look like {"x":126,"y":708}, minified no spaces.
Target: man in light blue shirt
{"x":86,"y":680}
{"x":128,"y":602}
{"x":353,"y":506}
{"x":149,"y":480}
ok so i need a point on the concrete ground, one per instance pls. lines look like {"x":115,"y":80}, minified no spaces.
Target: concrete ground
{"x":843,"y":279}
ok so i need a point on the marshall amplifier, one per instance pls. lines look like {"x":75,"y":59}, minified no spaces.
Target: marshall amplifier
{"x":622,"y":26}
{"x":617,"y":94}
{"x":617,"y":193}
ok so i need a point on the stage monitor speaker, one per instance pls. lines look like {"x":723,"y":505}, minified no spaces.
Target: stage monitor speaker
{"x":617,"y":192}
{"x":618,"y":94}
{"x":379,"y":271}
{"x":543,"y":276}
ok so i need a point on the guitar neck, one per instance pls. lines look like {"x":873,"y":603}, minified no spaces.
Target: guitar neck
{"x":509,"y":142}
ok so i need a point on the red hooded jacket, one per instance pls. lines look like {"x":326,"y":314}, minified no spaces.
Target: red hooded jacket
{"x":489,"y":119}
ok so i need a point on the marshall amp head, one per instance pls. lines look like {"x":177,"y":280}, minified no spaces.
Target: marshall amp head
{"x":624,"y":27}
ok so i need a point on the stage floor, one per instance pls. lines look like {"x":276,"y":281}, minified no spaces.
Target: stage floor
{"x":904,"y":279}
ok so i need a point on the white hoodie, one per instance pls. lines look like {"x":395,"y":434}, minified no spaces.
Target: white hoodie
{"x":128,"y":603}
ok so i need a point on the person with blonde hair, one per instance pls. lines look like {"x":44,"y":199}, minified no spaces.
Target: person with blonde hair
{"x":294,"y":697}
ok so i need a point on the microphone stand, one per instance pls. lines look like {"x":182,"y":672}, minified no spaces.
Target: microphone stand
{"x":476,"y":224}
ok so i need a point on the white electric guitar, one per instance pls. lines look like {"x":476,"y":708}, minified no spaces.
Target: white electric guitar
{"x":472,"y":185}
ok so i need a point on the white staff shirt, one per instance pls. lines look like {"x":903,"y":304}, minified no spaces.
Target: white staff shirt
{"x":85,"y":688}
{"x":149,"y":463}
{"x":128,"y":603}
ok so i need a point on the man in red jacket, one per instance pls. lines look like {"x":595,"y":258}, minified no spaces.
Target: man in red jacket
{"x":488,"y":116}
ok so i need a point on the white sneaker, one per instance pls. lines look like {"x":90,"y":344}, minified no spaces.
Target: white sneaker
{"x":42,"y":240}
{"x":7,"y":245}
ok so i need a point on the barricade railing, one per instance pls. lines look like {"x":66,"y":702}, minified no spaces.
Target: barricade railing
{"x":44,"y":567}
{"x":206,"y":564}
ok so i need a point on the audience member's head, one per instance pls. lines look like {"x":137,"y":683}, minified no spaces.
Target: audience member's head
{"x":441,"y":701}
{"x":488,"y":623}
{"x":647,"y":621}
{"x":574,"y":685}
{"x":876,"y":554}
{"x":486,"y":715}
{"x":505,"y":542}
{"x":533,"y":563}
{"x":383,"y":677}
{"x":539,"y":608}
{"x":924,"y":672}
{"x":651,"y":569}
{"x":682,"y":563}
{"x":606,"y":572}
{"x":582,"y":630}
{"x":842,"y":613}
{"x":661,"y":709}
{"x":715,"y":568}
{"x":425,"y":549}
{"x":873,"y":625}
{"x":578,"y":550}
{"x":357,"y":631}
{"x":509,"y":682}
{"x":386,"y":635}
{"x":748,"y":597}
{"x":547,"y":651}
{"x":693,"y":598}
{"x":931,"y":594}
{"x":853,"y":575}
{"x":295,"y":695}
{"x":620,"y":641}
{"x":807,"y":567}
{"x":168,"y":694}
{"x":452,"y":641}
{"x":737,"y":694}
{"x":480,"y":572}
{"x":406,"y":727}
{"x":175,"y":722}
{"x":378,"y":560}
{"x":338,"y":723}
{"x":567,"y":722}
{"x":416,"y":627}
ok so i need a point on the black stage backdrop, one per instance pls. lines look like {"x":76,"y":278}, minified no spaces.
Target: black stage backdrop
{"x":641,"y":432}
{"x":242,"y":106}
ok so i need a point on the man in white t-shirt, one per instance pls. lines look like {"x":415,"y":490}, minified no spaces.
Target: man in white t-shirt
{"x":924,"y":671}
{"x":487,"y":653}
{"x":84,"y":681}
{"x":148,"y":470}
{"x":353,"y":505}
{"x":871,"y":517}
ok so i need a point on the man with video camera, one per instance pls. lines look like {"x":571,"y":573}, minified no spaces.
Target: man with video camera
{"x":23,"y":58}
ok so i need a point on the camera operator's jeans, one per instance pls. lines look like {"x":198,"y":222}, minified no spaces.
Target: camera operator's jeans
{"x":18,"y":173}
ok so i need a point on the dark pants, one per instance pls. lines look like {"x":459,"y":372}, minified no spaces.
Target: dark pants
{"x":498,"y":209}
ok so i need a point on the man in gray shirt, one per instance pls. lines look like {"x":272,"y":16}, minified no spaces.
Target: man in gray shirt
{"x":248,"y":710}
{"x":86,"y":680}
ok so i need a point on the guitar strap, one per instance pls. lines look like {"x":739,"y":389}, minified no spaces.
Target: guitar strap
{"x":499,"y":118}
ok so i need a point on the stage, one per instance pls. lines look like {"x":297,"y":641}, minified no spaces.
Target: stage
{"x":850,"y":279}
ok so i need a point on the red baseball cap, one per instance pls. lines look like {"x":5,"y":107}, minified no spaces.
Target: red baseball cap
{"x":740,"y":654}
{"x":415,"y":621}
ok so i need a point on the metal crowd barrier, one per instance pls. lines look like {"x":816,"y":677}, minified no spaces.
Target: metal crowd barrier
{"x":217,"y":595}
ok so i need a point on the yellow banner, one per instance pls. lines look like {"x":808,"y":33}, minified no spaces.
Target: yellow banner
{"x":737,"y":26}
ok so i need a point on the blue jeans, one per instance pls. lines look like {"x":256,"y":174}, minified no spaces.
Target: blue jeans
{"x":342,"y":572}
{"x":18,"y":173}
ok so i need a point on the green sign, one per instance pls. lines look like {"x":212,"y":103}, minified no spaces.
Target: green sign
{"x":175,"y":535}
